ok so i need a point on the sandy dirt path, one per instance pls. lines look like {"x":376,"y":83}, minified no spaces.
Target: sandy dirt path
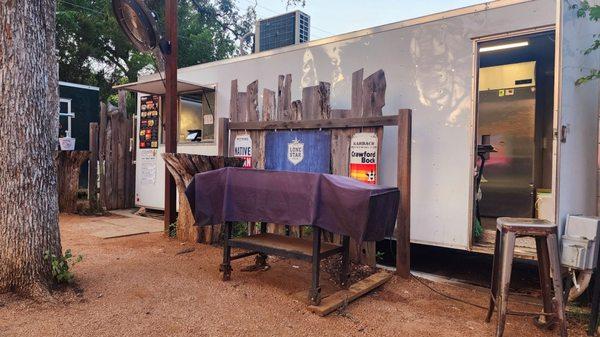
{"x":138,"y":286}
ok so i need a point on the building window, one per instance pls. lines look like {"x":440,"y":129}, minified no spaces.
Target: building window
{"x":65,"y":115}
{"x":196,"y":117}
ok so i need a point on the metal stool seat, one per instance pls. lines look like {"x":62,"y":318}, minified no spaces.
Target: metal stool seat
{"x":545,"y":234}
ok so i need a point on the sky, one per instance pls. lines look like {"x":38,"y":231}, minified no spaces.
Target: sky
{"x":332,"y":17}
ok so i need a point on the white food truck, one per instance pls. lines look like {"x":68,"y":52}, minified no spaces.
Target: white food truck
{"x":501,"y":73}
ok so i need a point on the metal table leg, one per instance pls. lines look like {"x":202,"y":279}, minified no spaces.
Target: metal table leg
{"x":345,"y":272}
{"x":226,"y":265}
{"x":315,"y":289}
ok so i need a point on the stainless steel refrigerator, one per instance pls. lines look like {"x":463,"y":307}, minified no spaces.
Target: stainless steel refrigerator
{"x":506,"y":116}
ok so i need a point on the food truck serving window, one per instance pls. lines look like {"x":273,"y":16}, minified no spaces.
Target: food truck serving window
{"x":196,"y":117}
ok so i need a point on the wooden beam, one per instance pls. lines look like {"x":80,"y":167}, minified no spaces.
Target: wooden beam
{"x":233,"y":102}
{"x":357,"y":93}
{"x":268,"y":107}
{"x":252,"y":101}
{"x":330,"y":303}
{"x":403,"y":222}
{"x":223,"y":132}
{"x":374,"y":94}
{"x":170,"y":118}
{"x":339,"y":123}
{"x":93,"y":168}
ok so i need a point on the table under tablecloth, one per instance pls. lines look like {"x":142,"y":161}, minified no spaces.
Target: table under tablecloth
{"x":334,"y":203}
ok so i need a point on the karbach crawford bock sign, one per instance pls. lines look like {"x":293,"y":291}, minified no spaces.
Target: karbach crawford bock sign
{"x":242,"y":148}
{"x":363,"y":157}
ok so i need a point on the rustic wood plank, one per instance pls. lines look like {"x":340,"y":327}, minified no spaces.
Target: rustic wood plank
{"x":356,"y":104}
{"x":102,"y":154}
{"x":93,"y":168}
{"x":330,"y":303}
{"x":233,"y":102}
{"x":297,"y":111}
{"x":242,"y":106}
{"x":252,"y":101}
{"x":341,"y":113}
{"x":374,"y":94}
{"x":338,"y":123}
{"x":282,"y":243}
{"x":223,"y":132}
{"x":284,"y":97}
{"x":268,"y":108}
{"x":403,"y":223}
{"x":315,"y":101}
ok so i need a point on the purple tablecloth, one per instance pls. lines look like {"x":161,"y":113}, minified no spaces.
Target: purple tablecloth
{"x":337,"y":204}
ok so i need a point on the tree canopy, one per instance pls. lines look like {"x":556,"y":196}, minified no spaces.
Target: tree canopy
{"x":585,"y":10}
{"x":93,"y":50}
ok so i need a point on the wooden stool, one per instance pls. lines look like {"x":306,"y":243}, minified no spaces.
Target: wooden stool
{"x":545,"y":234}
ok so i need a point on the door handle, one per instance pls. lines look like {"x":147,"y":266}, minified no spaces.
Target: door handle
{"x":564,"y":129}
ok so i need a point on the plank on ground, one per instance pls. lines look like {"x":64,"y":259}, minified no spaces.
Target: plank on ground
{"x":331,"y":303}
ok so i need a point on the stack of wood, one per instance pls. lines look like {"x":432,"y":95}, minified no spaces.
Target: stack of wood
{"x":368,"y":99}
{"x":68,"y":168}
{"x":183,"y":167}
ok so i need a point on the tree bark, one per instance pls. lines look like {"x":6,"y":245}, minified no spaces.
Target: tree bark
{"x":183,"y":167}
{"x":28,"y":139}
{"x":69,"y":167}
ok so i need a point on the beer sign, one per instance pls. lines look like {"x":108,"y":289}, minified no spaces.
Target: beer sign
{"x":242,"y":148}
{"x":363,"y":157}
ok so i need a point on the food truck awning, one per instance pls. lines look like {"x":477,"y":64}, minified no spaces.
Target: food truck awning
{"x":157,"y":87}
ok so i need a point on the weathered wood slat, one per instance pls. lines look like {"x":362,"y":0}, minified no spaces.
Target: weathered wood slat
{"x":268,"y":107}
{"x":340,"y":113}
{"x":338,"y":123}
{"x":356,"y":104}
{"x":315,"y":101}
{"x":102,"y":153}
{"x":93,"y":168}
{"x":252,"y":101}
{"x":297,"y":113}
{"x":403,"y":223}
{"x":242,"y":106}
{"x":330,"y":303}
{"x":284,"y":97}
{"x":374,"y":94}
{"x":233,"y":102}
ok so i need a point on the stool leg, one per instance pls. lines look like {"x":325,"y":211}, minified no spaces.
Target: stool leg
{"x":544,"y":274}
{"x":552,"y":243}
{"x":495,"y":271}
{"x":508,"y":251}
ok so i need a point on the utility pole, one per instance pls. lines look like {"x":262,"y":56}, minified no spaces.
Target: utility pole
{"x":170,"y":115}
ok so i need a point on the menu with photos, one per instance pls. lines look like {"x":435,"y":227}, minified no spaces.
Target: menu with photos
{"x":149,"y":122}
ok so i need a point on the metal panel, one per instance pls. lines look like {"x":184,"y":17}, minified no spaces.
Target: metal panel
{"x":509,"y":121}
{"x":577,"y":111}
{"x":303,"y":151}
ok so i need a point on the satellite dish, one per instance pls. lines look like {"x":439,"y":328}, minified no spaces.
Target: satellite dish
{"x":138,"y":23}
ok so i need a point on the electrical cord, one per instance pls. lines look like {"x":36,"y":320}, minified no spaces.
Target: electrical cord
{"x":513,"y":313}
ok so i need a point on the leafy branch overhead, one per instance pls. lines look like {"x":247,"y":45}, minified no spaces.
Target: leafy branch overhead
{"x":585,"y":10}
{"x":93,"y":50}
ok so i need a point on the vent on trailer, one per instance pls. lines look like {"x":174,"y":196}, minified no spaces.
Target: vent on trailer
{"x":282,"y":30}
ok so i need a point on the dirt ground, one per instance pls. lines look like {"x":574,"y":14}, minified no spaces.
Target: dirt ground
{"x":139,"y":286}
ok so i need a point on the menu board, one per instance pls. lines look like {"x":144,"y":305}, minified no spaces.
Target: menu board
{"x":149,"y":122}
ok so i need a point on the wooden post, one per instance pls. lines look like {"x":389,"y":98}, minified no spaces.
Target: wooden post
{"x":403,"y":222}
{"x":170,"y":116}
{"x":69,"y":166}
{"x":93,"y":168}
{"x":102,"y":154}
{"x":223,"y":131}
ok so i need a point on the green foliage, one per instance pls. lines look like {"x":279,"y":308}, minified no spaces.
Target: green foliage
{"x":477,"y":228}
{"x":62,"y":264}
{"x":379,"y":255}
{"x":173,"y":229}
{"x":239,"y":229}
{"x":585,"y":10}
{"x":93,"y":50}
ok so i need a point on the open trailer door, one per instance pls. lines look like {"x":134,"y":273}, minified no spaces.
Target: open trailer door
{"x":576,"y":111}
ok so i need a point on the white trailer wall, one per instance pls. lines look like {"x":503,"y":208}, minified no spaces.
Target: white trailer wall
{"x":429,"y":65}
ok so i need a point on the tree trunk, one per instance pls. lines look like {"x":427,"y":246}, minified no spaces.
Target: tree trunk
{"x":69,"y":167}
{"x":28,"y":139}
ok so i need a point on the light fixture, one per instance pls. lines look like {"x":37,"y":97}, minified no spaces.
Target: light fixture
{"x":504,"y":46}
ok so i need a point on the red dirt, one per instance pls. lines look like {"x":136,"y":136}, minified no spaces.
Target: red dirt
{"x":138,"y":286}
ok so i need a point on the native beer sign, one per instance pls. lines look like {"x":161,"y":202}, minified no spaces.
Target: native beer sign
{"x":363,"y":157}
{"x":242,"y":148}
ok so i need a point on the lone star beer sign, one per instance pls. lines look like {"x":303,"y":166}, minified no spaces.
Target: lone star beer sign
{"x":242,"y":148}
{"x":363,"y":157}
{"x":301,"y":151}
{"x":295,"y":152}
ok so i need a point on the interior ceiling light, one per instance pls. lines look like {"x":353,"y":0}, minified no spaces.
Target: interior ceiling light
{"x":504,"y":46}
